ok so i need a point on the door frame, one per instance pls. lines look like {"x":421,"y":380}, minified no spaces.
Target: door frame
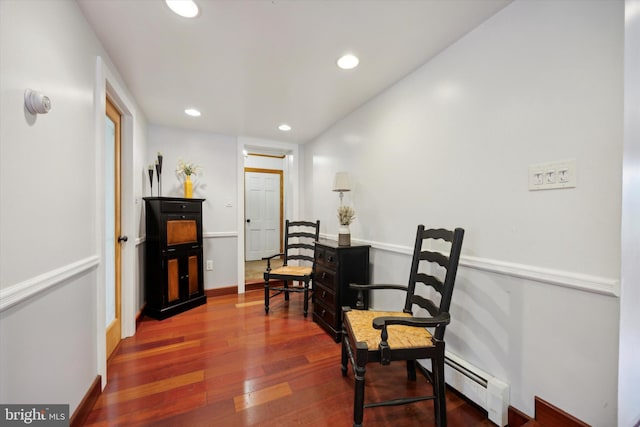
{"x":293,"y":182}
{"x":281,"y":219}
{"x":107,"y":84}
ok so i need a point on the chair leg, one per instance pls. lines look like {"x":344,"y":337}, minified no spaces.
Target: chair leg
{"x":358,"y":401}
{"x":439,"y":390}
{"x":345,"y":357}
{"x":306,"y":297}
{"x":286,"y":292}
{"x":411,"y":370}
{"x":266,"y":297}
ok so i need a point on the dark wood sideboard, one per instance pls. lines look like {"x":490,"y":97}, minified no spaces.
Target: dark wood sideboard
{"x":336,"y":267}
{"x":173,"y":256}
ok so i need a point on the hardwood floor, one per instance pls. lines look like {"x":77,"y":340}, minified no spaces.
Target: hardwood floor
{"x":227,"y":364}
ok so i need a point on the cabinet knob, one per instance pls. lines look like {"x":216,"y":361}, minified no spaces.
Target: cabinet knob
{"x":324,"y":274}
{"x":324,"y":294}
{"x":323,"y":313}
{"x":122,"y":239}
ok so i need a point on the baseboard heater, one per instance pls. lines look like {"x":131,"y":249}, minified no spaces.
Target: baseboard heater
{"x":483,"y":389}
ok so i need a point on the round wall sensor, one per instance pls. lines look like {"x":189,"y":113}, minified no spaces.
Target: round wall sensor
{"x":36,"y":102}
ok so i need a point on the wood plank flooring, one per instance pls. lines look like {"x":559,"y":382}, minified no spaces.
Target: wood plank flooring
{"x":227,"y":364}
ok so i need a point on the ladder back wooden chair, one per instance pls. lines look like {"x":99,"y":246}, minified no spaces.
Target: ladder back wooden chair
{"x":299,"y":246}
{"x":380,"y":336}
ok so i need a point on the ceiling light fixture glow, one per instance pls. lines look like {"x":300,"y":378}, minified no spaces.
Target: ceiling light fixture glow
{"x":348,"y":61}
{"x":192,"y":112}
{"x":185,"y":8}
{"x":284,"y":127}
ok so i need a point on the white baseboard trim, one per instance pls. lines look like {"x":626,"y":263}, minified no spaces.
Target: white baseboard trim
{"x":22,"y":291}
{"x":567,"y":279}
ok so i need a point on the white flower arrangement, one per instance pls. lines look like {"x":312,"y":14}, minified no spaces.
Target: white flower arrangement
{"x":188,"y":169}
{"x":346,"y":215}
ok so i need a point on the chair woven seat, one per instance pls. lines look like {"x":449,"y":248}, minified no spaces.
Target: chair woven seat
{"x":292,"y":270}
{"x":400,"y":336}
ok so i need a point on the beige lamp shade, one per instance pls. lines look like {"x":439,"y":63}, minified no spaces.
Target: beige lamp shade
{"x":341,"y":182}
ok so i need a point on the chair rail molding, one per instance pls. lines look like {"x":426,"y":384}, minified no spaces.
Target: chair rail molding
{"x":567,"y":279}
{"x":15,"y":294}
{"x":219,"y":234}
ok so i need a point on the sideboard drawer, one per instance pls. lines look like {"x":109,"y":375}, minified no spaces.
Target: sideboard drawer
{"x":178,"y":207}
{"x":325,"y":277}
{"x":325,"y":296}
{"x":326,"y":257}
{"x":325,"y":315}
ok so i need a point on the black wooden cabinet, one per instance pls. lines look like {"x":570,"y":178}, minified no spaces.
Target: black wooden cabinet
{"x":336,"y":267}
{"x":173,"y":257}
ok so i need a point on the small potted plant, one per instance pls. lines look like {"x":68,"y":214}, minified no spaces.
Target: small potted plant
{"x":187,"y":169}
{"x":346,"y":215}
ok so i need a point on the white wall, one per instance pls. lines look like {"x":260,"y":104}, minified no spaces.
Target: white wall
{"x":629,"y":371}
{"x":50,"y":250}
{"x":216,"y":154}
{"x":450,"y":145}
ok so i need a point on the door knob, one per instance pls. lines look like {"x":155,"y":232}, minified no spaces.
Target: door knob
{"x":248,"y":221}
{"x":122,"y":239}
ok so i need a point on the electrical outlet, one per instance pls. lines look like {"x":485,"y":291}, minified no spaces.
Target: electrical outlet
{"x":209,"y":265}
{"x":550,"y":176}
{"x":553,"y":175}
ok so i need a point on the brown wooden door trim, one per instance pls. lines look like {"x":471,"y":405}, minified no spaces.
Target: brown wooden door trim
{"x":281,"y":173}
{"x":114,"y":330}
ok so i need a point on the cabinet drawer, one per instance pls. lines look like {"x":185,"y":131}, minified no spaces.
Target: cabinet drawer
{"x":325,"y":296}
{"x":324,"y":277}
{"x":181,"y":231}
{"x":326,"y":256}
{"x":177,"y":207}
{"x":328,"y":316}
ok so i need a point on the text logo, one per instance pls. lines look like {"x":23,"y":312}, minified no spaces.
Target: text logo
{"x":34,"y":415}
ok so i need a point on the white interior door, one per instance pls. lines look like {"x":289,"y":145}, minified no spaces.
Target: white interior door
{"x":263,"y":217}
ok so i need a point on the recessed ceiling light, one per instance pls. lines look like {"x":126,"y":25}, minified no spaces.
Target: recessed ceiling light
{"x":348,"y":61}
{"x":284,"y":127}
{"x":185,"y":8}
{"x":192,"y":112}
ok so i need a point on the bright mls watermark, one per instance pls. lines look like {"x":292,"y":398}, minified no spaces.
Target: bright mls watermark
{"x":36,"y":415}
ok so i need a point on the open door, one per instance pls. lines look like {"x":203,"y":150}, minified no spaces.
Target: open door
{"x":113,"y":237}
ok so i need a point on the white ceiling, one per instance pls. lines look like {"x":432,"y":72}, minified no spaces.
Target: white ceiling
{"x":251,"y":65}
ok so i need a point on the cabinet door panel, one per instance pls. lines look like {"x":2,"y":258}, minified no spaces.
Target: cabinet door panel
{"x":173,"y":280}
{"x":194,"y":268}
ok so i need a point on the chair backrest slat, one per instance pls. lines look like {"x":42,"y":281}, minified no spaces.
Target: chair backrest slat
{"x":432,"y":281}
{"x":441,"y":259}
{"x":428,"y":259}
{"x":426,"y":303}
{"x":302,"y":245}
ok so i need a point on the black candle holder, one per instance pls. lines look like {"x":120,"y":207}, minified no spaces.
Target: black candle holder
{"x":151,"y":180}
{"x":159,"y":173}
